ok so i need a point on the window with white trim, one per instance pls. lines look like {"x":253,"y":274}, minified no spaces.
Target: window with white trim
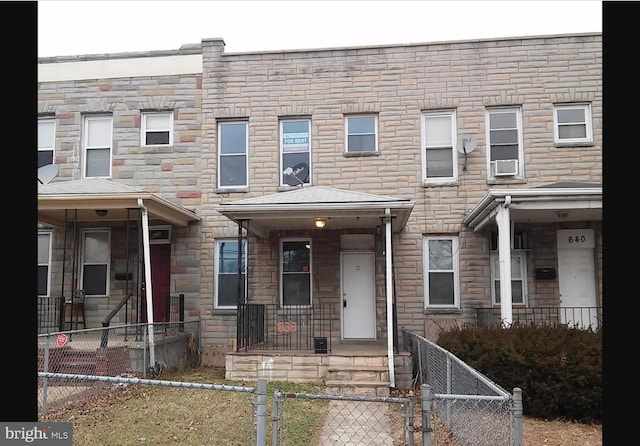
{"x":97,"y":145}
{"x":439,"y":159}
{"x":295,"y":276}
{"x":441,"y":272}
{"x":96,"y":248}
{"x":504,"y":141}
{"x":157,"y":129}
{"x":44,"y":264}
{"x":233,"y":143}
{"x":46,"y":141}
{"x":295,"y":151}
{"x":518,"y":278}
{"x":572,"y":123}
{"x":227,"y":278}
{"x":361,"y":134}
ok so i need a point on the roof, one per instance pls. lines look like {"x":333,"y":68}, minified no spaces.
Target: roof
{"x":299,"y":208}
{"x":85,"y":196}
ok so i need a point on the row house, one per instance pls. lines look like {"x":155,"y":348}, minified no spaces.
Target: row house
{"x":308,"y":200}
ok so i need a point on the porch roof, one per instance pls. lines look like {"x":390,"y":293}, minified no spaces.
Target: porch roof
{"x":299,"y":208}
{"x":91,"y":194}
{"x":556,"y":202}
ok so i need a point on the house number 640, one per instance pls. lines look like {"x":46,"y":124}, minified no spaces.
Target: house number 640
{"x":578,"y":239}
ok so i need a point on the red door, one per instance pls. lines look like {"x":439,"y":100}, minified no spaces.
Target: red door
{"x":160,"y":277}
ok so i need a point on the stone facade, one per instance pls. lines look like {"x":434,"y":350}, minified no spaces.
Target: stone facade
{"x":396,"y":84}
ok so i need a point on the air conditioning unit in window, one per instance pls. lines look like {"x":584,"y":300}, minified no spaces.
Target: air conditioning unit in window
{"x":505,"y":168}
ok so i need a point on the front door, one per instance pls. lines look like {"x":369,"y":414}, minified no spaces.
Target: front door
{"x":358,"y":295}
{"x":160,"y":282}
{"x":576,"y":275}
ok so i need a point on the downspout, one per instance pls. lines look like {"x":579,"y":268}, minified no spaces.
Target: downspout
{"x":389,"y":271}
{"x":504,"y":261}
{"x":147,"y":279}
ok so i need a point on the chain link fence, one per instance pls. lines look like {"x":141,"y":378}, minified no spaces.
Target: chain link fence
{"x":119,"y":351}
{"x":468,"y":408}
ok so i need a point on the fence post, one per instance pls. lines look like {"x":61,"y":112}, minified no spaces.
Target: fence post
{"x":45,"y":368}
{"x":261,"y":411}
{"x":425,"y":409}
{"x":517,"y":417}
{"x":411,"y":427}
{"x":275,"y":419}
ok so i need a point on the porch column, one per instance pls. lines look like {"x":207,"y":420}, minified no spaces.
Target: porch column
{"x":388,"y":256}
{"x":504,"y":260}
{"x":147,"y":279}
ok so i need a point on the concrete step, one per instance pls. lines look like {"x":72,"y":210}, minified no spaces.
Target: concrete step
{"x":368,"y":388}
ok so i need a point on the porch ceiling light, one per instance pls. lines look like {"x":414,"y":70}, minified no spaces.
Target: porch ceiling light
{"x":562,"y":214}
{"x":101,"y":212}
{"x":320,"y":223}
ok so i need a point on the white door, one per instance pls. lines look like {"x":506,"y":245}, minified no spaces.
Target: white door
{"x":576,"y":276}
{"x":357,"y":279}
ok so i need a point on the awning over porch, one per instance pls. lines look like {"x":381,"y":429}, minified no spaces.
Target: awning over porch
{"x":556,"y":202}
{"x":91,"y":196}
{"x":299,"y":209}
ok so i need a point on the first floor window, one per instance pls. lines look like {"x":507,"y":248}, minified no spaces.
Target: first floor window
{"x":441,"y":271}
{"x":295,"y":148}
{"x":46,"y":141}
{"x":157,"y":129}
{"x":572,"y":123}
{"x":95,"y":261}
{"x":233,"y":154}
{"x":296,"y":272}
{"x":518,"y":278}
{"x":97,"y":146}
{"x":228,"y":277}
{"x":44,"y":263}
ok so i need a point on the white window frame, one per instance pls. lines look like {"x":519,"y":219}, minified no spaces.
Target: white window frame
{"x":451,"y":114}
{"x":83,"y":262}
{"x":245,"y":154}
{"x":144,"y":129}
{"x":490,"y":164}
{"x":283,"y":153}
{"x":86,"y":148}
{"x":347,"y":133}
{"x":495,"y":273}
{"x":310,"y":272}
{"x":216,"y":266}
{"x":586,"y":107}
{"x":47,"y":146}
{"x":46,"y":263}
{"x":455,"y":270}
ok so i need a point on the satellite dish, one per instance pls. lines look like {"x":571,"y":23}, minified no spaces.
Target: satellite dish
{"x":47,"y":173}
{"x":296,"y":175}
{"x":466,"y":144}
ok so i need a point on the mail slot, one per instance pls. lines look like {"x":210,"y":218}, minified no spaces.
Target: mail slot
{"x":545,"y":273}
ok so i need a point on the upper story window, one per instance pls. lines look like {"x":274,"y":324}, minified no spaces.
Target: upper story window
{"x":441,"y":274}
{"x":97,"y":144}
{"x":233,"y":143}
{"x":362,"y":134}
{"x":46,"y":141}
{"x":44,"y":263}
{"x":572,"y":123}
{"x":504,"y":142}
{"x":295,"y":151}
{"x":157,"y":129}
{"x":227,"y":278}
{"x":296,"y":272}
{"x":439,"y":159}
{"x":95,"y":261}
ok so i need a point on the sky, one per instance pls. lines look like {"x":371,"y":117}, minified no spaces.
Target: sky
{"x":95,"y":26}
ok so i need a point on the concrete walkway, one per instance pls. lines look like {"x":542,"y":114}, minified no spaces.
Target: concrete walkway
{"x":358,"y":423}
